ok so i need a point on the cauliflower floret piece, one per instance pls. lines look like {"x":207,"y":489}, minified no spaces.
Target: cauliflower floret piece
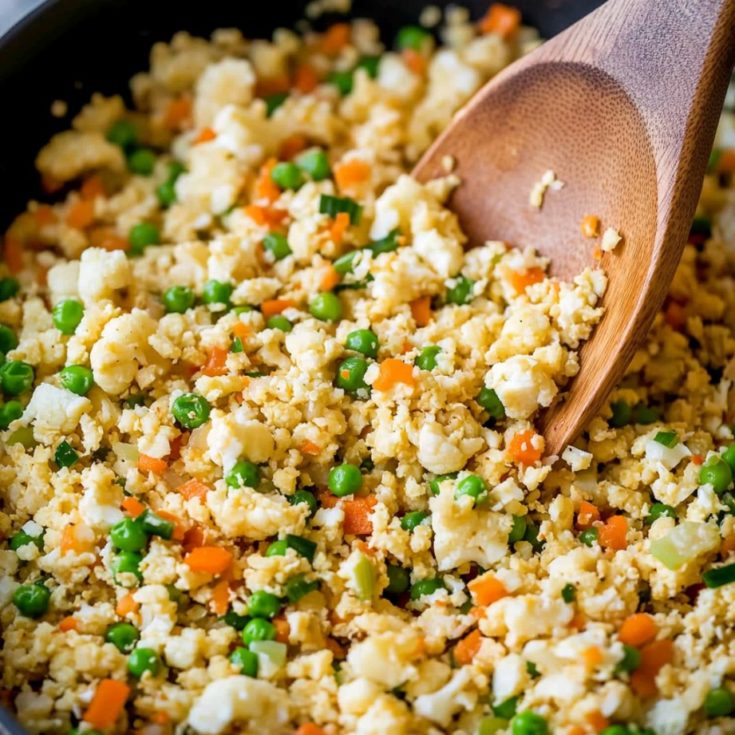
{"x":228,"y":82}
{"x":443,"y":454}
{"x":63,"y":280}
{"x":310,"y":348}
{"x":233,"y":436}
{"x":464,"y":533}
{"x":71,"y":153}
{"x":442,"y":705}
{"x":386,"y":658}
{"x":100,"y":502}
{"x":53,"y":412}
{"x":522,"y":385}
{"x":258,"y":705}
{"x":101,"y":273}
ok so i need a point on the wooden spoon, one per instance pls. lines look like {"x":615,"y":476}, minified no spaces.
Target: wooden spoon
{"x":623,"y":107}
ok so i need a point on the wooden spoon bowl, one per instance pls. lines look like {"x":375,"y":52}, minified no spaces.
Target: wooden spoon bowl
{"x":623,"y":107}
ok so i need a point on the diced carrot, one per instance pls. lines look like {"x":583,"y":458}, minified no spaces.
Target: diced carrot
{"x":204,"y":136}
{"x":579,"y":621}
{"x":92,"y":187}
{"x":241,"y":330}
{"x":675,"y":315}
{"x":592,"y":657}
{"x":351,"y":174}
{"x":174,"y":451}
{"x":415,"y":61}
{"x":216,"y":362}
{"x":339,"y":226}
{"x":272,"y":85}
{"x":587,"y":514}
{"x":467,"y":648}
{"x":305,"y":79}
{"x":179,"y":530}
{"x":113,"y":241}
{"x":576,"y":730}
{"x":81,"y":214}
{"x":330,"y":278}
{"x":41,"y":275}
{"x":68,"y":623}
{"x":209,"y":559}
{"x":177,"y":113}
{"x":357,"y":516}
{"x":161,"y":718}
{"x":643,"y":684}
{"x":326,"y":499}
{"x":193,"y":538}
{"x":266,"y":216}
{"x":526,"y":447}
{"x":613,"y":533}
{"x":335,"y":38}
{"x":487,"y":589}
{"x":478,"y":612}
{"x":44,"y":215}
{"x":638,"y":629}
{"x":265,"y":187}
{"x":597,"y":721}
{"x":152,"y":464}
{"x":133,"y":507}
{"x":77,"y":538}
{"x":698,"y":459}
{"x":126,"y":605}
{"x":283,"y":629}
{"x":726,"y":161}
{"x":309,"y":728}
{"x":271,"y":307}
{"x":292,"y":146}
{"x":107,"y":703}
{"x":590,"y":225}
{"x":728,"y":545}
{"x":310,"y":448}
{"x":597,"y":253}
{"x":221,"y":597}
{"x":364,"y":548}
{"x":421,"y":310}
{"x":393,"y":371}
{"x":194,"y":489}
{"x":654,"y":657}
{"x":13,"y":253}
{"x":521,"y":280}
{"x":501,"y":19}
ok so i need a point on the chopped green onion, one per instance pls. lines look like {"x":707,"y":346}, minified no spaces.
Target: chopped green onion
{"x":332,"y":206}
{"x":668,"y":438}
{"x":719,"y":576}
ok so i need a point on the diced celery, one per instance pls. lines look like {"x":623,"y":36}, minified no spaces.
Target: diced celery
{"x":271,"y":655}
{"x":685,"y":542}
{"x":364,"y":578}
{"x":491,"y":725}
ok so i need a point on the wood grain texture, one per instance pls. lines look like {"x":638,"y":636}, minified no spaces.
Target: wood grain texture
{"x":623,"y":106}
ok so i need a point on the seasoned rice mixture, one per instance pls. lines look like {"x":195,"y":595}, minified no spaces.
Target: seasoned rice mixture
{"x":267,"y":451}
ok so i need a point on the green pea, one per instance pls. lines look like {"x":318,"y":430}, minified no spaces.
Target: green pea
{"x":178,"y":299}
{"x":315,"y":163}
{"x":20,"y":539}
{"x":16,"y":377}
{"x":569,"y":593}
{"x":618,"y":730}
{"x":128,"y":535}
{"x":364,"y":341}
{"x":278,"y":321}
{"x":399,"y":580}
{"x":297,"y":587}
{"x":9,"y":286}
{"x":77,"y":378}
{"x":217,"y":292}
{"x":659,"y":510}
{"x":66,"y":315}
{"x":166,"y":193}
{"x":426,"y":359}
{"x":123,"y":636}
{"x":621,"y":414}
{"x":326,"y":306}
{"x":631,"y":659}
{"x":719,"y":702}
{"x":589,"y":536}
{"x":528,"y":723}
{"x":277,"y":548}
{"x":306,"y":497}
{"x":245,"y":660}
{"x":277,"y":245}
{"x":346,"y":479}
{"x":190,"y":410}
{"x":258,"y":630}
{"x":371,"y":64}
{"x":273,"y":102}
{"x":127,"y":562}
{"x":66,"y":455}
{"x":143,"y":660}
{"x":488,"y":399}
{"x":142,"y":161}
{"x":8,"y":340}
{"x":472,"y":485}
{"x":287,"y":175}
{"x":343,"y":80}
{"x":32,"y":600}
{"x":716,"y":472}
{"x":141,"y":236}
{"x":263,"y":604}
{"x":728,"y":455}
{"x":426,"y":587}
{"x":238,"y":622}
{"x":412,"y":37}
{"x":506,"y":709}
{"x":243,"y":474}
{"x":461,"y":292}
{"x":413,"y":519}
{"x":435,"y":484}
{"x":123,"y":133}
{"x":517,"y":530}
{"x":9,"y":412}
{"x":351,"y":376}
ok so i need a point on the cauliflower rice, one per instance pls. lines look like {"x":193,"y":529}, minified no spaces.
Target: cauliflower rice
{"x":267,"y":449}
